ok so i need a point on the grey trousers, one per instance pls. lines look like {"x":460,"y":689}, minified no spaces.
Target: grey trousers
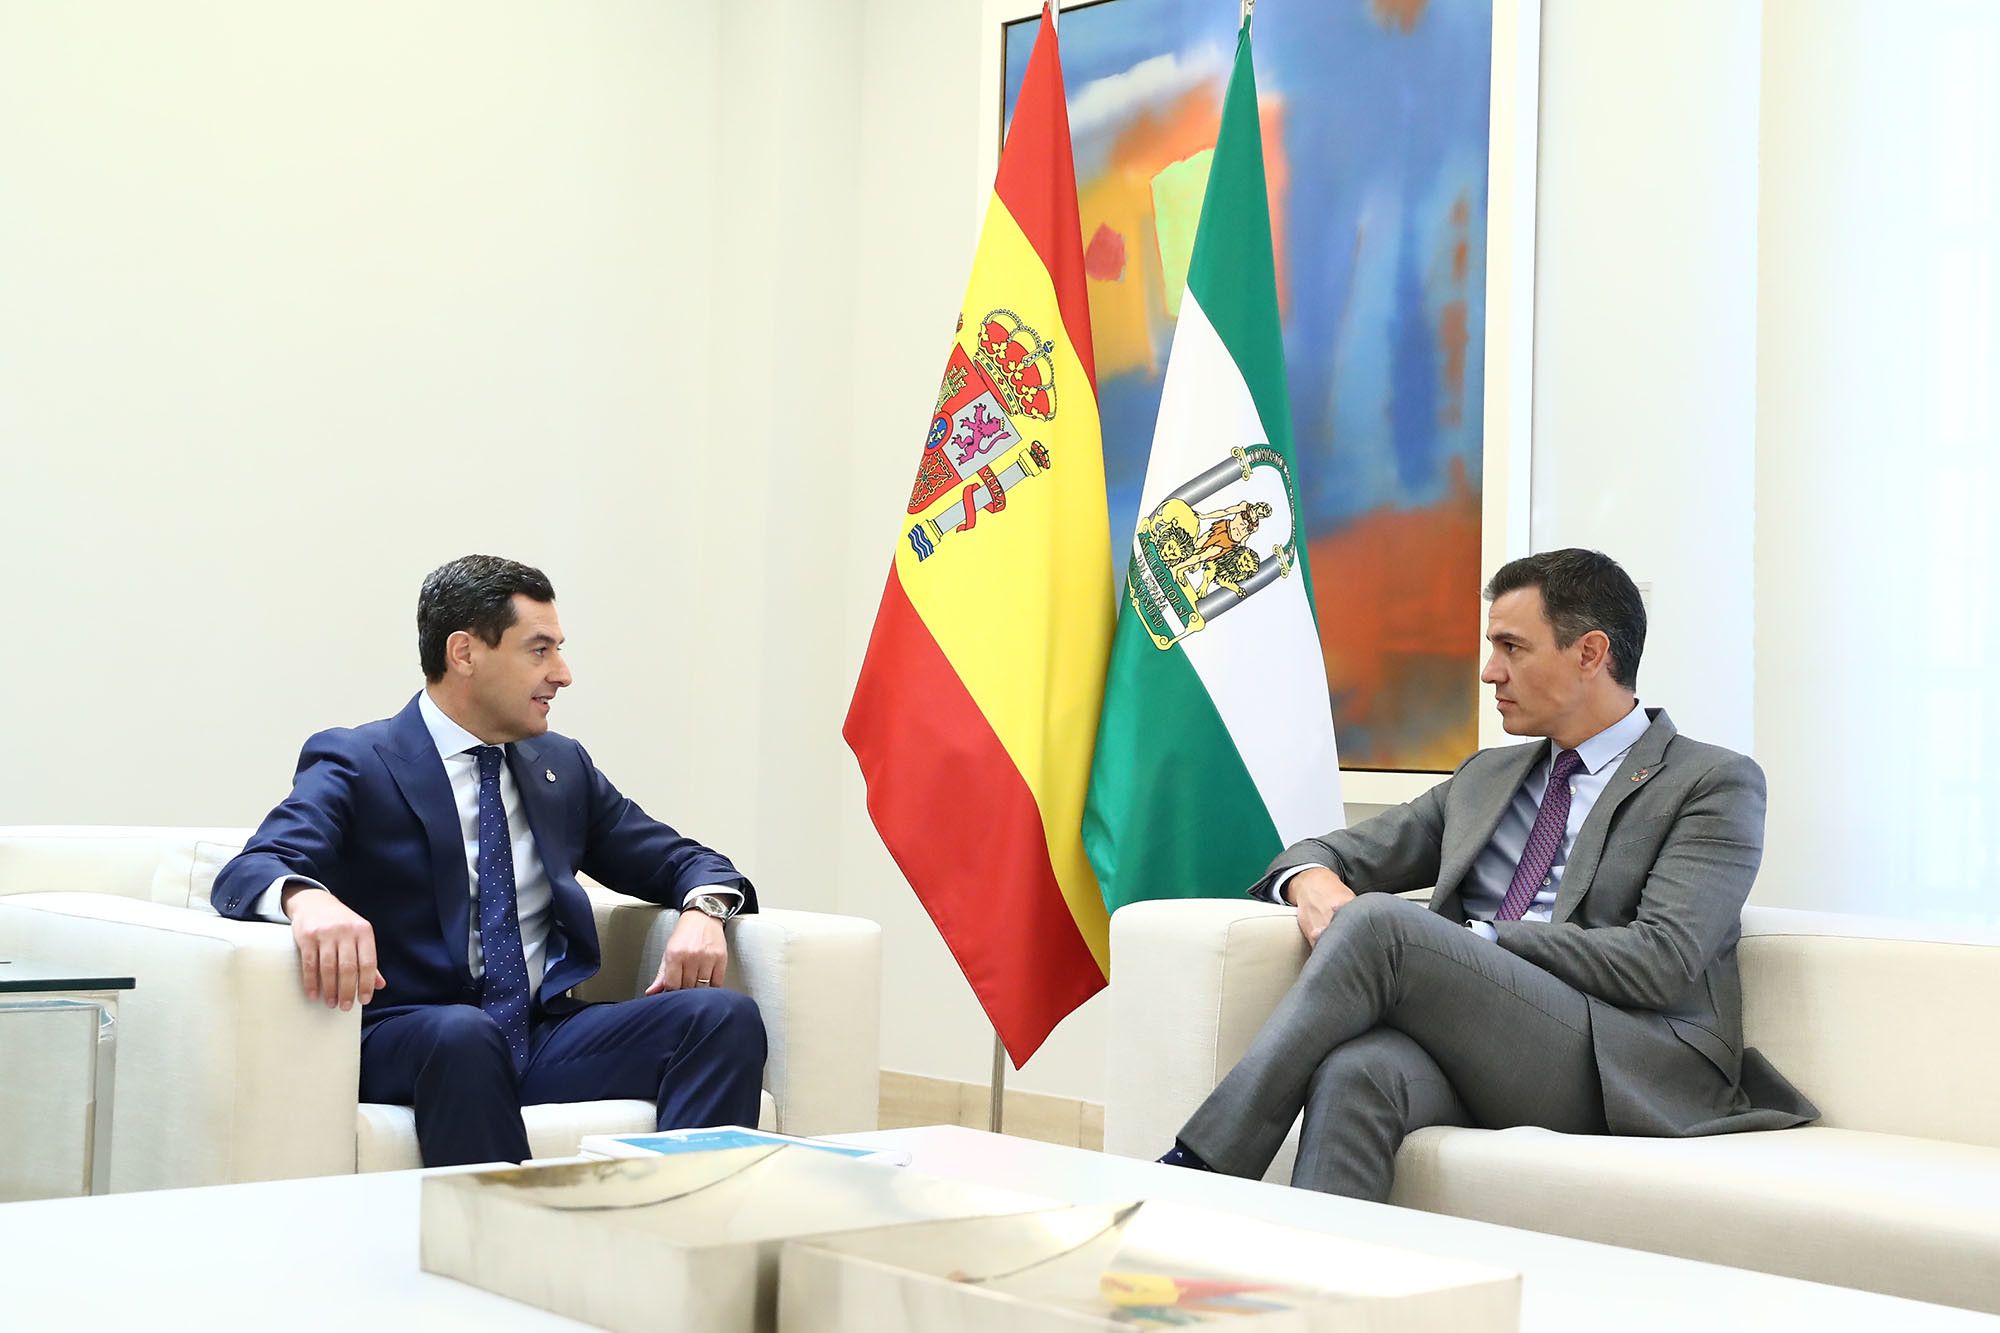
{"x":1400,"y":1019}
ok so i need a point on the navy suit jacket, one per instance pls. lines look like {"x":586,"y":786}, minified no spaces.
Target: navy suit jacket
{"x":371,"y":816}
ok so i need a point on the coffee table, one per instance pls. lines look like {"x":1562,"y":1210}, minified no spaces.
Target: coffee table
{"x":340,"y":1252}
{"x":68,"y":1004}
{"x":1566,"y":1284}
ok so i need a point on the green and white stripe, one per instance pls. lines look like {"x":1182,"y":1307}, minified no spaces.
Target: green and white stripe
{"x":1216,"y":750}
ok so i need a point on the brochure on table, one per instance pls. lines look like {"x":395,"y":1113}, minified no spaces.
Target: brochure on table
{"x":670,"y":1141}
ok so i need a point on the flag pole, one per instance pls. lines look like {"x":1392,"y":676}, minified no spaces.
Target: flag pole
{"x":1248,"y":5}
{"x":999,"y":1087}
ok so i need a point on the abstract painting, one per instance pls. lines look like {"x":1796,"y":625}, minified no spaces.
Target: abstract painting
{"x":1375,"y":121}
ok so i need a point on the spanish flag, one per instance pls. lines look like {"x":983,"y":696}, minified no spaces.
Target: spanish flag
{"x":976,"y":710}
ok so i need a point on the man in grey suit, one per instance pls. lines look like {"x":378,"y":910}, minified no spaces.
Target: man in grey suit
{"x":1576,"y":965}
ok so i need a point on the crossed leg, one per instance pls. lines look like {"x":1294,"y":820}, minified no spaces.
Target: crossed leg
{"x":1400,"y":1018}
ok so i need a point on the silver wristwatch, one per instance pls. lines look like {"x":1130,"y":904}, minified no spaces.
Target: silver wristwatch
{"x":709,"y":904}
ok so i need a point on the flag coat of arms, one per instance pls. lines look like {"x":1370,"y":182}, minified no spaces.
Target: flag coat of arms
{"x":1216,"y":749}
{"x":976,"y":709}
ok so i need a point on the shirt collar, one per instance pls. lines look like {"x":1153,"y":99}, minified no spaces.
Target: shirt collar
{"x":450,"y":738}
{"x":1611,"y":743}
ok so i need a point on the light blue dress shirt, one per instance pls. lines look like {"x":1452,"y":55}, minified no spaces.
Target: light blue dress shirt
{"x":1486,"y":884}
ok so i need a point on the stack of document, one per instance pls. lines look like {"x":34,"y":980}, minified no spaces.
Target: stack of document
{"x":670,"y":1241}
{"x":1125,"y":1266}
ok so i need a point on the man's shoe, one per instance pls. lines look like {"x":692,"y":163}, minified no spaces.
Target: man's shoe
{"x":1182,"y":1155}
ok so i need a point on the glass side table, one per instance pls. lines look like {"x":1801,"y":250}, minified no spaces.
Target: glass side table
{"x":52,"y":1006}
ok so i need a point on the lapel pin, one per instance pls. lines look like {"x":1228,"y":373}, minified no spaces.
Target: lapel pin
{"x":1640,"y":776}
{"x":549,"y":773}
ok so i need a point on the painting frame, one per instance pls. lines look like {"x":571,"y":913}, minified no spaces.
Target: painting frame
{"x":1507,"y":416}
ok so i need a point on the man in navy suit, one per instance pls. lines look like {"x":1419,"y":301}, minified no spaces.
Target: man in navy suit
{"x":427,"y":864}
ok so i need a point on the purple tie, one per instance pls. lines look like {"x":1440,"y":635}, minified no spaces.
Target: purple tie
{"x":1532,"y":875}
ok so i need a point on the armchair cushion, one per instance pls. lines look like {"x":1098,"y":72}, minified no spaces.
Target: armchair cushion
{"x":148,"y":863}
{"x":187,"y":870}
{"x":1884,"y":1024}
{"x":1912,"y":1217}
{"x":385,"y":1137}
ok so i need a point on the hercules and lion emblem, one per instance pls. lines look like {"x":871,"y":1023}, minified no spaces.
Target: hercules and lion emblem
{"x":1190,"y":565}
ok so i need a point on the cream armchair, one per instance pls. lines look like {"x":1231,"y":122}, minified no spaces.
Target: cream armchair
{"x":227,"y":1073}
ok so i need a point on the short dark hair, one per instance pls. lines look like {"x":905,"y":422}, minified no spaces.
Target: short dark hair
{"x":474,"y":593}
{"x":1582,"y":591}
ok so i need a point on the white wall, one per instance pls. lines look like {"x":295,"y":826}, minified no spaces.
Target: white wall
{"x":1878,"y":461}
{"x":301,"y":301}
{"x":791,"y":354}
{"x":1646,"y":329}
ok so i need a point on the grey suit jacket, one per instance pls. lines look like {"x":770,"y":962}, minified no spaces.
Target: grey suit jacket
{"x":1645,"y":923}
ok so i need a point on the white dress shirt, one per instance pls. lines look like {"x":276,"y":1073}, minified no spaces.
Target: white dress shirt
{"x":534,"y":899}
{"x":1486,"y":884}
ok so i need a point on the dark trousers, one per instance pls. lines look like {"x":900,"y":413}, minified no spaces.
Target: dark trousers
{"x":698,"y":1054}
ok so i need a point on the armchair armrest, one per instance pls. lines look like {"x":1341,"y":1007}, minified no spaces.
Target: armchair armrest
{"x":1191,"y":982}
{"x":622,"y":927}
{"x":817,"y":981}
{"x":226,"y":1072}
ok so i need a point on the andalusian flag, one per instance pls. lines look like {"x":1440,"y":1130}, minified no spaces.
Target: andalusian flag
{"x":1216,"y":746}
{"x":977,"y":705}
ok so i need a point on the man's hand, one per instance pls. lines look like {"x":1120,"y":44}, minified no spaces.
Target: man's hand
{"x":697,"y":954}
{"x":1318,"y":893}
{"x":336,"y":948}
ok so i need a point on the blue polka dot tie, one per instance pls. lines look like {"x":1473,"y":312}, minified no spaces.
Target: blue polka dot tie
{"x":504,"y":993}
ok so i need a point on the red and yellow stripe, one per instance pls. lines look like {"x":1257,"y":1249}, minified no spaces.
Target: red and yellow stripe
{"x":976,"y":711}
